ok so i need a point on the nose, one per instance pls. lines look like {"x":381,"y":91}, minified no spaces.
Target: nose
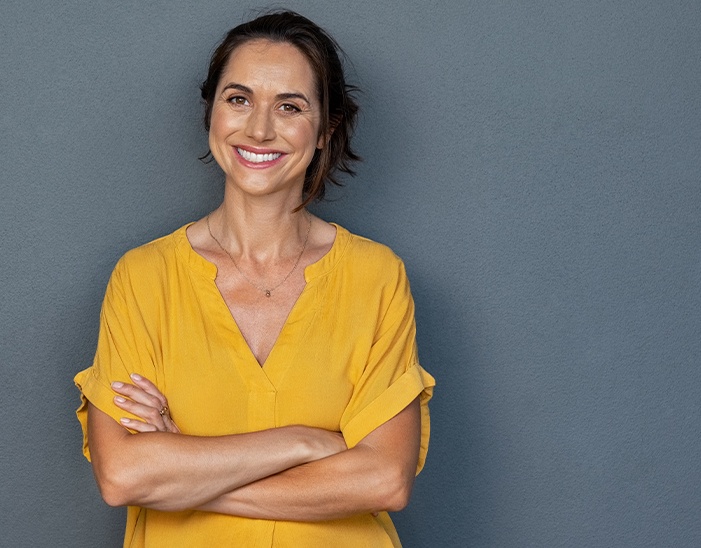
{"x":260,"y":125}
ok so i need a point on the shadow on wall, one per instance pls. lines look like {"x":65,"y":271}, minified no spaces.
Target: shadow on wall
{"x":449,"y":484}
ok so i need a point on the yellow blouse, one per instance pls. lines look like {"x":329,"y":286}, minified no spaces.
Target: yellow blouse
{"x":344,"y":361}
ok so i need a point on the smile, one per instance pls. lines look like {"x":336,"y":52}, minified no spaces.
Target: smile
{"x":258,"y":158}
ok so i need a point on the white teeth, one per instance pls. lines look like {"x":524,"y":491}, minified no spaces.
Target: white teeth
{"x":258,"y":158}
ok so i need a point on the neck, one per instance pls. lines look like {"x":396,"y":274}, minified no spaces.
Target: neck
{"x":262,"y":230}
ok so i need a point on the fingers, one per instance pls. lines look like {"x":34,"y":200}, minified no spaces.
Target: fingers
{"x":144,"y":400}
{"x":137,"y":394}
{"x":138,"y":426}
{"x":171,"y":426}
{"x":145,"y":412}
{"x":150,"y":388}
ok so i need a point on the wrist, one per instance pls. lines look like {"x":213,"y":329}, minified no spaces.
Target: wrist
{"x":304,"y":443}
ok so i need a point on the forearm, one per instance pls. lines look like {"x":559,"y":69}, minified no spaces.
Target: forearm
{"x":376,"y":475}
{"x":339,"y":486}
{"x":174,"y":472}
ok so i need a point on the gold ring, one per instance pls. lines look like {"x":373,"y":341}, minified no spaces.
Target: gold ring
{"x":163,"y":410}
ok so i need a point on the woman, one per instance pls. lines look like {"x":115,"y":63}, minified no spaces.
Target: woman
{"x":281,"y":345}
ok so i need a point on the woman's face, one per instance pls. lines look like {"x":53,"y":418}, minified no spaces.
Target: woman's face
{"x":265,"y":120}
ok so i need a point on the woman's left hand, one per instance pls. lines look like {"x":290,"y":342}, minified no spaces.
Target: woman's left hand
{"x":145,"y":401}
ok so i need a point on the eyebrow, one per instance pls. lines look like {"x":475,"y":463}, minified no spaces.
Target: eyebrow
{"x":279,"y":96}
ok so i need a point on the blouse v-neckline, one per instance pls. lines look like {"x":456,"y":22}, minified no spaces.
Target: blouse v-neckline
{"x":299,"y":318}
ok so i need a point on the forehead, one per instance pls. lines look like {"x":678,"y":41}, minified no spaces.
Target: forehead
{"x":275,"y":66}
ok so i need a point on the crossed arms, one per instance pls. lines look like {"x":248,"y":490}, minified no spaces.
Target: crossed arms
{"x":295,"y":473}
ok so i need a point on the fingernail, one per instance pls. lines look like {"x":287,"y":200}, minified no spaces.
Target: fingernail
{"x":135,"y":377}
{"x":117,"y":384}
{"x":124,"y":420}
{"x":120,"y":399}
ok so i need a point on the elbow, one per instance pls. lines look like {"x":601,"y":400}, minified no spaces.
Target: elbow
{"x":125,"y":486}
{"x":399,"y":498}
{"x":114,"y":485}
{"x":397,"y":491}
{"x":112,"y":496}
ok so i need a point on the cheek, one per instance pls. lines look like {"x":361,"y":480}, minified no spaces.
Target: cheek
{"x":219,"y":130}
{"x":306,"y":135}
{"x":222,"y":123}
{"x":215,"y":141}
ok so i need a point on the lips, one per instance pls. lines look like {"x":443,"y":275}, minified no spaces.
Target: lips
{"x":255,"y":158}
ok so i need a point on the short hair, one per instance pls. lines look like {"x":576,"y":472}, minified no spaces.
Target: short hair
{"x":339,"y":108}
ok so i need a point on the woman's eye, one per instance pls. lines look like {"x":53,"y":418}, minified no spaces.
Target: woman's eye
{"x":288,"y":107}
{"x":237,"y":100}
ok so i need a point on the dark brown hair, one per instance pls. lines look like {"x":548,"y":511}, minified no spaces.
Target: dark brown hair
{"x":339,"y":108}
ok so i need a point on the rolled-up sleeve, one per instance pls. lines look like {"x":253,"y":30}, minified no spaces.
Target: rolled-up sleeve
{"x":392,"y":377}
{"x":122,"y":348}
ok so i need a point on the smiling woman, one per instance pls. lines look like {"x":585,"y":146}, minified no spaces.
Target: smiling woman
{"x":256,"y":381}
{"x":266,"y":119}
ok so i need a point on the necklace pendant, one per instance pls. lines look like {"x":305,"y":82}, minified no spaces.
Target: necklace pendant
{"x":266,"y":292}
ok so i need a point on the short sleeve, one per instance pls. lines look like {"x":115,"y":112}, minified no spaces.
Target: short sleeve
{"x":392,"y":377}
{"x":123,"y":347}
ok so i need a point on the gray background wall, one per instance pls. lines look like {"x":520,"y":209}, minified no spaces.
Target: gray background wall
{"x":537,"y":166}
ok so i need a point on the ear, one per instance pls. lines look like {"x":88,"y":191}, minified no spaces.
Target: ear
{"x":334,"y":120}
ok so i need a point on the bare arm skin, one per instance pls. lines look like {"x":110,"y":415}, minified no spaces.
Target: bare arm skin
{"x":169,"y":471}
{"x":377,"y":474}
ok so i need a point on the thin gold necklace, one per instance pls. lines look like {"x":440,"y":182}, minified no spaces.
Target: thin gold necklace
{"x":266,"y":291}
